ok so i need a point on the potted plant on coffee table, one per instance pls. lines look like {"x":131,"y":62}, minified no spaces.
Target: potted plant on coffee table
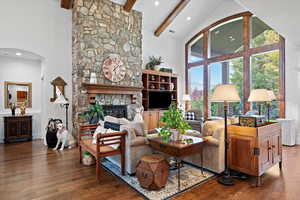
{"x":174,"y":123}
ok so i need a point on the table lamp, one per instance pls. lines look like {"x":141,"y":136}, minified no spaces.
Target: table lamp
{"x":259,"y":95}
{"x":273,"y":97}
{"x":226,"y":93}
{"x":62,"y":101}
{"x":186,"y":98}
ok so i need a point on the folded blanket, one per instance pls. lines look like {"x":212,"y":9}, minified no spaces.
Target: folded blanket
{"x":101,"y":130}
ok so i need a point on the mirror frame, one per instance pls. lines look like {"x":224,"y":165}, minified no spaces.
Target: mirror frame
{"x":29,"y":85}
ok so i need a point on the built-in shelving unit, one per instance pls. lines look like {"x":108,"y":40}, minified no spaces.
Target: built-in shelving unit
{"x":158,"y":81}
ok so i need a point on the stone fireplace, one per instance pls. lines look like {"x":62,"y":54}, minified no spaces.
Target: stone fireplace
{"x":102,"y":28}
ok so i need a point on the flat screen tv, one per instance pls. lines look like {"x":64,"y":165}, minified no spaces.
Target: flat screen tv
{"x":160,"y":100}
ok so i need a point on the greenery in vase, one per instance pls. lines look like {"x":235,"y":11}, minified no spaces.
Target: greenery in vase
{"x":153,"y":61}
{"x":173,"y":119}
{"x":94,"y":113}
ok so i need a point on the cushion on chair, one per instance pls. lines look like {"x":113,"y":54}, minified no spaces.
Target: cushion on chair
{"x":89,"y":144}
{"x":190,"y":116}
{"x":139,"y":140}
{"x":112,"y":125}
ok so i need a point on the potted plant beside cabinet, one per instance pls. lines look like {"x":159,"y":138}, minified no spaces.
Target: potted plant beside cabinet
{"x":94,"y":113}
{"x":174,"y":124}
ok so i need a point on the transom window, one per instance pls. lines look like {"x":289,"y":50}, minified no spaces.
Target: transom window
{"x":241,"y":50}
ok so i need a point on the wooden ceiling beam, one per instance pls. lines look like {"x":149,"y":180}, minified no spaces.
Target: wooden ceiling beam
{"x":66,"y":4}
{"x":129,"y":5}
{"x":171,"y":17}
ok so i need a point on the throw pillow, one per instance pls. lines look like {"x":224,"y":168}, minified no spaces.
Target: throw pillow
{"x":190,"y":116}
{"x":112,"y":125}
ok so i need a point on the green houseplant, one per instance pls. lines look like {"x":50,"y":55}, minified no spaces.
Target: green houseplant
{"x":153,"y":61}
{"x":174,"y":123}
{"x":94,"y":113}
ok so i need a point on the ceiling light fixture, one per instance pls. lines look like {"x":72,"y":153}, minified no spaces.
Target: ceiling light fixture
{"x":18,"y":54}
{"x":188,"y":18}
{"x":156,"y":3}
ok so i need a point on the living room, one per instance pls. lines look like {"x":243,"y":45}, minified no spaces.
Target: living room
{"x":70,"y":60}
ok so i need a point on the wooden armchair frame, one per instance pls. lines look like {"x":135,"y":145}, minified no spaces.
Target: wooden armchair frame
{"x":102,"y":147}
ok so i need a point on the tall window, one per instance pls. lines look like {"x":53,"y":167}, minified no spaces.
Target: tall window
{"x":240,"y":50}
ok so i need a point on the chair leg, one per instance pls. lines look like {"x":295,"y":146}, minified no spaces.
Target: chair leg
{"x":123,"y":163}
{"x":80,"y":155}
{"x":98,"y":168}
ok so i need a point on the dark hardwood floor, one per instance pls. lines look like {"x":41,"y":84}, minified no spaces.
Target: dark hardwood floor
{"x":30,"y":171}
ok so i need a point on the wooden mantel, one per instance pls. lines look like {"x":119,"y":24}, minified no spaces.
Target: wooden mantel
{"x":94,"y":89}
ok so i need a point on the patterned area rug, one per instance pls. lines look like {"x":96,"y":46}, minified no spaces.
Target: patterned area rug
{"x":190,"y":177}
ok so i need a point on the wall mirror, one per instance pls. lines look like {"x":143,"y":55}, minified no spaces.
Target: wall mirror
{"x":17,"y":93}
{"x":58,"y":84}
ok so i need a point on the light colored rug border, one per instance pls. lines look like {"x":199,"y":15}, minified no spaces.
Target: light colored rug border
{"x":171,"y":196}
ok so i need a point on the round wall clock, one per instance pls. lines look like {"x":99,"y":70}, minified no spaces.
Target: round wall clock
{"x":114,"y":69}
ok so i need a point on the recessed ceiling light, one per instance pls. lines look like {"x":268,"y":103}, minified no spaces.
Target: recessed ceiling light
{"x":18,"y":54}
{"x":188,"y":18}
{"x":156,"y":3}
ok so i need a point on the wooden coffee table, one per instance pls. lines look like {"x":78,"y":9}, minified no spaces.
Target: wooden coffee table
{"x":179,"y":150}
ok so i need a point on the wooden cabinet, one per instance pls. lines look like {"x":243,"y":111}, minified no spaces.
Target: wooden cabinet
{"x":254,"y":150}
{"x":152,"y":118}
{"x":17,"y":128}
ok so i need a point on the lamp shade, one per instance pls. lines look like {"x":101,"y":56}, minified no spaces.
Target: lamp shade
{"x":186,"y":97}
{"x":272,"y":95}
{"x":225,"y":93}
{"x":259,"y":95}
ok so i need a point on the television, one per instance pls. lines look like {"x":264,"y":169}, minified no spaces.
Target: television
{"x":160,"y":99}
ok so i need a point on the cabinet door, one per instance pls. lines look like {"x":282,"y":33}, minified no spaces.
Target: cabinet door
{"x":276,"y":148}
{"x":154,"y":122}
{"x":13,"y":129}
{"x":25,"y":128}
{"x":265,"y":150}
{"x":146,"y":116}
{"x":240,"y":154}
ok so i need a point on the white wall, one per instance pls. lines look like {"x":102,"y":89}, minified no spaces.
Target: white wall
{"x":22,"y":70}
{"x":41,"y":27}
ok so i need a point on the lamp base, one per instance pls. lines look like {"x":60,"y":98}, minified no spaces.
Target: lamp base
{"x":226,"y":180}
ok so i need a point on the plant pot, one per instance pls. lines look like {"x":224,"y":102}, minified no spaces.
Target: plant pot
{"x":157,"y":67}
{"x":176,"y":136}
{"x":88,"y":160}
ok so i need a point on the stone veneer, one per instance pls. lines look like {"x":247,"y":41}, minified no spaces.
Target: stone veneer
{"x":102,"y":28}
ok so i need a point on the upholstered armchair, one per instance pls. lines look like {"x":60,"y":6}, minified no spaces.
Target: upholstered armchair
{"x":197,"y":123}
{"x":214,"y":149}
{"x":136,"y":146}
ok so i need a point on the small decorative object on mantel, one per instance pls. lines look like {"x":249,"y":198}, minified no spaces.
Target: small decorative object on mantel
{"x":58,"y":84}
{"x":175,"y":124}
{"x":114,"y":68}
{"x":154,"y":63}
{"x":93,"y":78}
{"x":168,"y":70}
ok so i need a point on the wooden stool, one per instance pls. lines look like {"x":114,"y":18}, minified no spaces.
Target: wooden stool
{"x":152,"y":172}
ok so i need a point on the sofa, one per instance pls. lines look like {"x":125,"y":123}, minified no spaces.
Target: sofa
{"x":214,"y":149}
{"x":136,"y":146}
{"x":197,"y":123}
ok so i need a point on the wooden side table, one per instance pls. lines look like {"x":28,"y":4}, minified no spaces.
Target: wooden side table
{"x":152,"y":172}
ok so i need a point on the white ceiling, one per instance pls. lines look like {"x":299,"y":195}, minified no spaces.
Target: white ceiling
{"x":9,"y":52}
{"x":198,"y":10}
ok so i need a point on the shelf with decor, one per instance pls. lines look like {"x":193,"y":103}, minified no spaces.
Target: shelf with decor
{"x":160,"y":90}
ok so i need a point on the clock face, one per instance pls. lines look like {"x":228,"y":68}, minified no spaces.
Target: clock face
{"x":114,"y":69}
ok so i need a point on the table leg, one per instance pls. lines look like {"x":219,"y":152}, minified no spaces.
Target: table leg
{"x":201,"y":158}
{"x":178,"y":162}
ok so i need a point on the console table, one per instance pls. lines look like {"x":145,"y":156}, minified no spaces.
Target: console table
{"x":179,"y":150}
{"x":17,"y":128}
{"x":254,"y":150}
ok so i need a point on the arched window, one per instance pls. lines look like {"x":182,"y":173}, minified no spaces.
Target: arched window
{"x":240,"y":49}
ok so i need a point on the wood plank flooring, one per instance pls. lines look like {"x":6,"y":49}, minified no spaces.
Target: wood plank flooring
{"x":30,"y":171}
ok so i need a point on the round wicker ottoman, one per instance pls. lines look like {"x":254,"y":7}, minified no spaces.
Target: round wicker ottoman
{"x":152,"y":172}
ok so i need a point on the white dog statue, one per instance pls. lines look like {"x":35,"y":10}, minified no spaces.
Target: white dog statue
{"x":139,"y":114}
{"x":64,"y":137}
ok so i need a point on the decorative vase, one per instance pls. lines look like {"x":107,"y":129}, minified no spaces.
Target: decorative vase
{"x":157,"y":67}
{"x":172,"y":86}
{"x":176,"y":136}
{"x":93,"y":78}
{"x":23,"y":109}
